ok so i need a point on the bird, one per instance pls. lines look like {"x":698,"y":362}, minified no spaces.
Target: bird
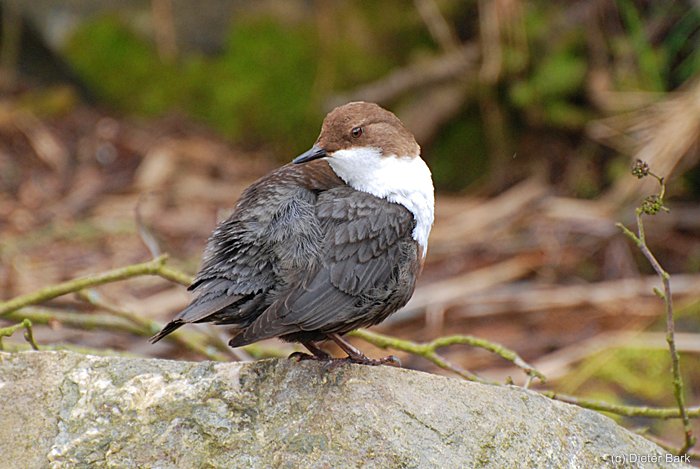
{"x":326,"y":244}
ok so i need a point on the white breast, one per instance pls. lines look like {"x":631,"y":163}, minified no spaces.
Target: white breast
{"x":404,"y":180}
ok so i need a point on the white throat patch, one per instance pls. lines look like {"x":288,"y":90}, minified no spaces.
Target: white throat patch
{"x":403,"y":180}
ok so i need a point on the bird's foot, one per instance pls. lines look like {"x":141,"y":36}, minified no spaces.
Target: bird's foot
{"x":356,"y":356}
{"x":316,"y":353}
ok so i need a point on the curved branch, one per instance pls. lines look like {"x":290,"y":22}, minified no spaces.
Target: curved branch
{"x":429,"y":351}
{"x":152,"y":267}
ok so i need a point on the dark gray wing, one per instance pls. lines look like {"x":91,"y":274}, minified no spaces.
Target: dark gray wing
{"x":273,"y":230}
{"x":367,"y":249}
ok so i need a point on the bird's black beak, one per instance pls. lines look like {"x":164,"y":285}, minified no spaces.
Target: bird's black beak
{"x":313,"y":154}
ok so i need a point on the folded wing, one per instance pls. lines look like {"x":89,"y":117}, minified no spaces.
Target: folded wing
{"x":363,"y":275}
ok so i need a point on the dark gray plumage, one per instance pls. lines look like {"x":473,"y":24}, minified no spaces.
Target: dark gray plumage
{"x":300,"y":262}
{"x":307,"y":257}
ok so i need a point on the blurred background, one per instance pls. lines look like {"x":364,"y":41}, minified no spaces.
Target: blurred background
{"x":132,"y":126}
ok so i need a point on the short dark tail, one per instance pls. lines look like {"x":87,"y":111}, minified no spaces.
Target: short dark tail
{"x":170,"y":327}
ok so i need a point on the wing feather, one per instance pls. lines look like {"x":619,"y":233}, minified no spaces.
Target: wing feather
{"x":359,"y":264}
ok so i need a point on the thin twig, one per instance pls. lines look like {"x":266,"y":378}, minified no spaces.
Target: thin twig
{"x":74,"y":319}
{"x":152,"y":267}
{"x":422,"y":350}
{"x":93,"y":298}
{"x":670,"y":331}
{"x":429,"y":350}
{"x":28,"y":334}
{"x":652,"y":205}
{"x":624,"y":410}
{"x":175,"y":276}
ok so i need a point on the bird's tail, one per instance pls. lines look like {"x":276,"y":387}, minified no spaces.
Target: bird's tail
{"x":170,"y":327}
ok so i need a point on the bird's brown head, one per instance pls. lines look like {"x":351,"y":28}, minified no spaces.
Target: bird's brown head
{"x":362,"y":125}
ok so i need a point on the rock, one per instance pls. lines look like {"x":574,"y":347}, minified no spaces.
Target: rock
{"x":62,"y":409}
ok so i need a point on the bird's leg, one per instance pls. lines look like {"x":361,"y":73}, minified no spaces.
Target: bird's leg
{"x":356,"y":356}
{"x":318,"y":354}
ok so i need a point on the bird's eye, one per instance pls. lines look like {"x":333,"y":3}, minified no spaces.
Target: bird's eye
{"x":356,"y":132}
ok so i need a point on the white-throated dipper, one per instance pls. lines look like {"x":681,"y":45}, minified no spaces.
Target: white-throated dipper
{"x":329,"y":243}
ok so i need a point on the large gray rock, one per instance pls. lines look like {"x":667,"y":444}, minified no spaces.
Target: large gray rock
{"x":62,"y":409}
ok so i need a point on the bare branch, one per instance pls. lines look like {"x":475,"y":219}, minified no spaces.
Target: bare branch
{"x":28,"y":334}
{"x":153,"y":267}
{"x":652,"y":205}
{"x":429,"y":351}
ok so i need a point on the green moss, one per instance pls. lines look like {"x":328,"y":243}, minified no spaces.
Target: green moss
{"x":266,"y":86}
{"x":249,"y":93}
{"x":121,"y":67}
{"x":259,"y":92}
